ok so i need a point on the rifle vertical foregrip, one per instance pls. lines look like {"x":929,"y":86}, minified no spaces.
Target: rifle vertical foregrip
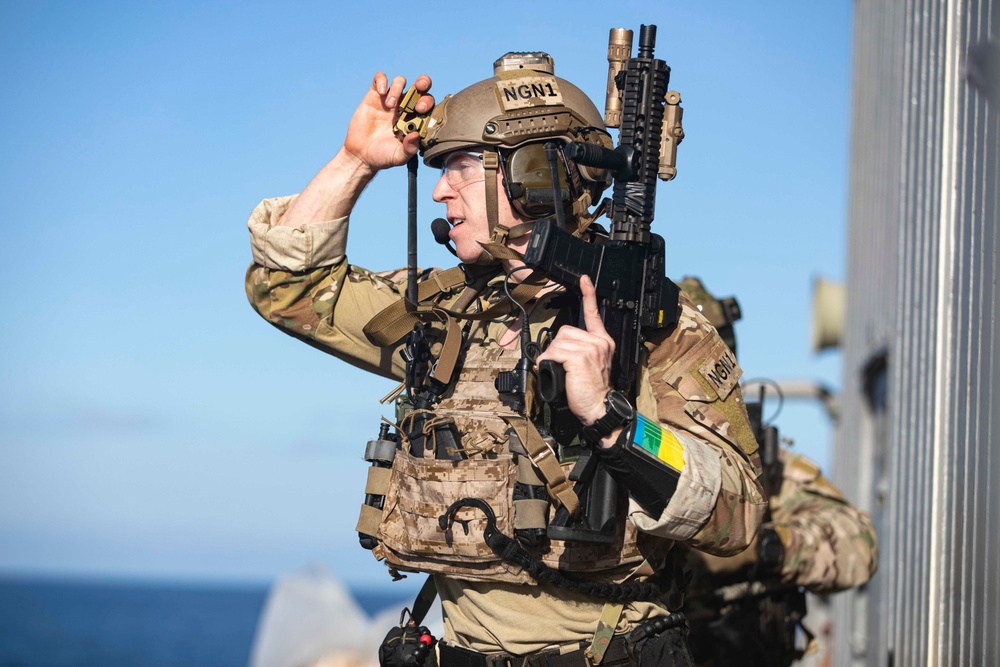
{"x":620,"y":160}
{"x":551,"y":381}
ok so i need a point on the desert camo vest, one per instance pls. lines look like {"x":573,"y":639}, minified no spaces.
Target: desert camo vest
{"x":421,"y":489}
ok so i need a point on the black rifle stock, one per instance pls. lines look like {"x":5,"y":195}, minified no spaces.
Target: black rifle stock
{"x":633,"y":293}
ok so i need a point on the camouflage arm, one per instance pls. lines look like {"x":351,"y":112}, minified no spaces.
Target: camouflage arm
{"x":691,"y":387}
{"x":300,"y":282}
{"x":830,"y":545}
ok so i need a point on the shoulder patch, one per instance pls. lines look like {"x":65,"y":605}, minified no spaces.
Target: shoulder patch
{"x":528,"y":91}
{"x":721,"y":370}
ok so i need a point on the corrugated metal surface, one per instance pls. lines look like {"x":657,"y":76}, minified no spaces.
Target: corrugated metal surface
{"x":921,"y":352}
{"x":871,"y":283}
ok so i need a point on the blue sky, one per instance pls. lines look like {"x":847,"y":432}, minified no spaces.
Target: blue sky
{"x":151,"y":424}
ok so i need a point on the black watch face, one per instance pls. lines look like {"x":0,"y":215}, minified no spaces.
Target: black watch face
{"x":620,"y":405}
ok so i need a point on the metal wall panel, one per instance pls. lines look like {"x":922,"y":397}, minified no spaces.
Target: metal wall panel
{"x":921,"y":368}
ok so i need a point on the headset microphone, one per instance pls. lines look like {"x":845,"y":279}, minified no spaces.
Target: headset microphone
{"x":440,"y":229}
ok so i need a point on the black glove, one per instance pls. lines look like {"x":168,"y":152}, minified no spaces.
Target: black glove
{"x":407,"y":646}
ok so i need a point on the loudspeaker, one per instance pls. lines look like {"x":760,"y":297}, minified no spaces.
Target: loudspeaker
{"x":828,"y":308}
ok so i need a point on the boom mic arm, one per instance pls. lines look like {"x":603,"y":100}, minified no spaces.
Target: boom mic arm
{"x":440,"y":229}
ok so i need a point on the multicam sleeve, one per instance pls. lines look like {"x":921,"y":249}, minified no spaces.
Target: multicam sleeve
{"x":300,"y":282}
{"x":691,"y":387}
{"x":830,"y":545}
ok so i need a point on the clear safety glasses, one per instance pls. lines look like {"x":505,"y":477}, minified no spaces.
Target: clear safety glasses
{"x":463,"y":167}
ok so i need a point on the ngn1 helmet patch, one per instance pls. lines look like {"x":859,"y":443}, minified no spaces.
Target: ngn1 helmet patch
{"x":528,"y":91}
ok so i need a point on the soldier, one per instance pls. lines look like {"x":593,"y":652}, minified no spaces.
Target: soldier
{"x":748,"y":609}
{"x":461,"y":456}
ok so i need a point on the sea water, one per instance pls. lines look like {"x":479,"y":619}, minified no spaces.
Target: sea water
{"x":78,"y":623}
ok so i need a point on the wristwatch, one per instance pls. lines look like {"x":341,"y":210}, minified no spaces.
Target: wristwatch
{"x":619,"y":412}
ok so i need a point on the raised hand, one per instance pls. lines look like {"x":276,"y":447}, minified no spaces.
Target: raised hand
{"x":370,"y":138}
{"x":370,"y":145}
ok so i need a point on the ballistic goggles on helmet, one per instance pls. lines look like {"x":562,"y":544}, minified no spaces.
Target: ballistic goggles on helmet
{"x":462,"y":167}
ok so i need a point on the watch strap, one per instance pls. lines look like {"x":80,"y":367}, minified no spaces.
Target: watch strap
{"x":611,"y":420}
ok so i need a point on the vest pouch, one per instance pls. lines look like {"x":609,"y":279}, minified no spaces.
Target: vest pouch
{"x":422,"y":489}
{"x":432,"y":436}
{"x":379,"y":452}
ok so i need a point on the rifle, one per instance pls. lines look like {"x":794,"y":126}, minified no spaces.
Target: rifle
{"x":756,"y":623}
{"x":767,"y":438}
{"x":634,"y":295}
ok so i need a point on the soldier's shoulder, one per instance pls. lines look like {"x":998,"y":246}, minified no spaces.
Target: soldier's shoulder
{"x":798,"y":468}
{"x":692,"y":330}
{"x":801,"y":474}
{"x":693,"y":358}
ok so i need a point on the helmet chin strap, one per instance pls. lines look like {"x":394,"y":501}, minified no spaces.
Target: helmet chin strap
{"x":491,"y":164}
{"x":493,"y":249}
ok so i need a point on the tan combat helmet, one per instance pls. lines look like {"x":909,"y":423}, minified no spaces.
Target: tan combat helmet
{"x":510,"y":117}
{"x":720,"y":312}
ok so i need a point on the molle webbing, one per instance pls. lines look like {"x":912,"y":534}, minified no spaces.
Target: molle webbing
{"x":376,"y":485}
{"x":395,"y":321}
{"x":422,"y":488}
{"x":543,"y":458}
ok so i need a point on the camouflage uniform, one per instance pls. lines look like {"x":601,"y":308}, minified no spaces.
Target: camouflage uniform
{"x":301,"y":282}
{"x":828,"y":546}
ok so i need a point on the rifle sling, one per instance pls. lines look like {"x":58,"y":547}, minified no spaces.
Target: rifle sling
{"x":445,"y":366}
{"x":422,"y":603}
{"x":395,"y":321}
{"x":547,"y":464}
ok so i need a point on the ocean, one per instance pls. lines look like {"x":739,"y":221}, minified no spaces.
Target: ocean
{"x":81,"y":623}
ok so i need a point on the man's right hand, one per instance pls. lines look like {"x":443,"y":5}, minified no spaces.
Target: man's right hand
{"x":370,"y":136}
{"x":371,"y":145}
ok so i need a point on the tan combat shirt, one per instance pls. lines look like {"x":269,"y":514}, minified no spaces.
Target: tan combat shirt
{"x":301,"y":281}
